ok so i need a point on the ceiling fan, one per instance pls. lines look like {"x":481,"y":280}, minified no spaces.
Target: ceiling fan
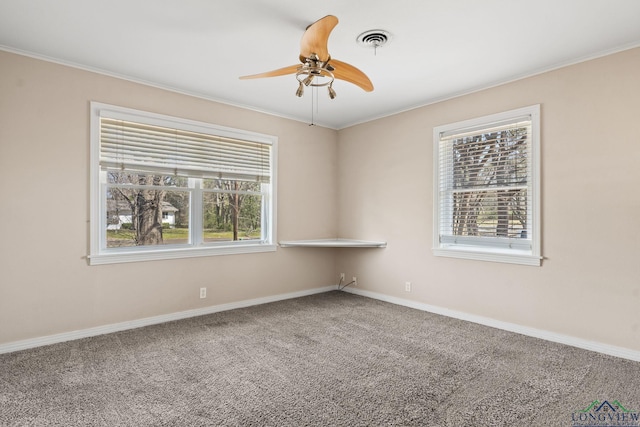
{"x":318,"y":68}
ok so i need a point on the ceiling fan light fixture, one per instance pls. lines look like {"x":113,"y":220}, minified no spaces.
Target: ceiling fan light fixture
{"x":332,"y":93}
{"x":300,"y":90}
{"x":307,"y":81}
{"x":309,"y":75}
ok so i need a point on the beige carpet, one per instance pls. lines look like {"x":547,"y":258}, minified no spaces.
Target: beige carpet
{"x":333,"y":359}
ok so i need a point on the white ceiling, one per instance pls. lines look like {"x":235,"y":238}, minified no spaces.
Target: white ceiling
{"x":438,"y":48}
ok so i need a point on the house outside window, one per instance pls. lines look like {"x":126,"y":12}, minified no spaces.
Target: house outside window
{"x":486,"y":188}
{"x":164,"y":187}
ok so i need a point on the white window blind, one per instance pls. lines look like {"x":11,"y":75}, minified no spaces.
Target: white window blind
{"x":138,"y":146}
{"x":167,"y":187}
{"x":486,"y":197}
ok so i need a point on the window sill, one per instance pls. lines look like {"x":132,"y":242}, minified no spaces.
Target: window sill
{"x":509,"y":257}
{"x":176,"y":253}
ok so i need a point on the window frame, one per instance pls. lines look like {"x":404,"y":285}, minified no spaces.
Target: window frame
{"x":100,"y":254}
{"x":487,"y":250}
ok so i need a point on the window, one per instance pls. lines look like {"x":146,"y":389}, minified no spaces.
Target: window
{"x":164,"y":187}
{"x":486,"y":188}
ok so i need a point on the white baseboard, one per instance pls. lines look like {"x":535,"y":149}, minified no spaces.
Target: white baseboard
{"x":116,"y":327}
{"x":621,"y":352}
{"x":611,"y":350}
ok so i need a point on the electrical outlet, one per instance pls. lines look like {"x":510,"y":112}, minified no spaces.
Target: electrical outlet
{"x":355,"y":281}
{"x":407,"y":286}
{"x":203,"y":292}
{"x":342,"y":277}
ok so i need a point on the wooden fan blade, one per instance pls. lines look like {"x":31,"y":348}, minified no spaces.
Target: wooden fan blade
{"x":316,"y":37}
{"x":292,"y":69}
{"x":351,"y":74}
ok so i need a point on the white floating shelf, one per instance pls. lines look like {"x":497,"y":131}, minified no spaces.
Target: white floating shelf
{"x":332,"y":243}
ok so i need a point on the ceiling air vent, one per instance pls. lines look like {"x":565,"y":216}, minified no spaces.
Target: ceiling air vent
{"x":374,"y":38}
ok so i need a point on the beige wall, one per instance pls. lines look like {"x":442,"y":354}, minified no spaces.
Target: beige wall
{"x":377,"y":177}
{"x":46,"y":286}
{"x":589,"y":284}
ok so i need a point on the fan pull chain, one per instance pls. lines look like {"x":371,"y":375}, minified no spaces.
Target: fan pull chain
{"x":313,"y":103}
